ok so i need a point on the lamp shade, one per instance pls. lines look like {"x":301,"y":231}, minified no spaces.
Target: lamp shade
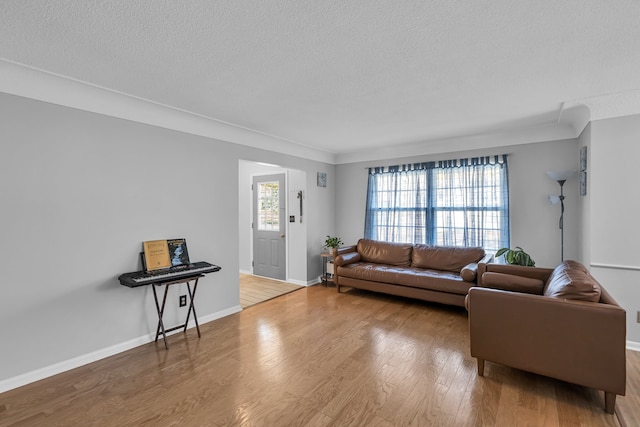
{"x":561,"y":175}
{"x":554,"y":200}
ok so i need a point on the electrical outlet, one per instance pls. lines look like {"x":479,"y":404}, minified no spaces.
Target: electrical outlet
{"x":183,"y":300}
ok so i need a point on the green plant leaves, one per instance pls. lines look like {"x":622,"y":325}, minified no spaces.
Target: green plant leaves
{"x":516,"y":256}
{"x":332,"y":242}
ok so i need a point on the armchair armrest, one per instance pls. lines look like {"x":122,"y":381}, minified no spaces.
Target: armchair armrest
{"x":511,"y":282}
{"x":516,"y":270}
{"x":574,"y":341}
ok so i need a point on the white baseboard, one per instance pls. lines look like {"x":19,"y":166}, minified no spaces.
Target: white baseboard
{"x":76,"y":362}
{"x":632,"y":345}
{"x":217,"y":315}
{"x":301,"y":282}
{"x":293,"y":281}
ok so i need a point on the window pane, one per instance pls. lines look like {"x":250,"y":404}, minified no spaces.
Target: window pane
{"x":268,"y":206}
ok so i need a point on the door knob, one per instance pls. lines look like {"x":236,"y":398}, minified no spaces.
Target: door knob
{"x":282,"y":235}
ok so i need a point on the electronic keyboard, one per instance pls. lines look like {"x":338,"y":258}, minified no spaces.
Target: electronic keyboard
{"x":140,"y":278}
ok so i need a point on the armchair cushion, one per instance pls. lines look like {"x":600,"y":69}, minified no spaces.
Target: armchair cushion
{"x":513,"y":283}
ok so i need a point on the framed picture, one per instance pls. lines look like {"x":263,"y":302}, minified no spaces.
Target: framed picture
{"x":583,"y":183}
{"x":583,"y":158}
{"x":322,"y":179}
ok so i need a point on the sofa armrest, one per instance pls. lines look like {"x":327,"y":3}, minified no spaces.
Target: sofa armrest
{"x":346,"y":258}
{"x":347,"y":249}
{"x":486,"y":259}
{"x":481,"y":266}
{"x":469,"y":272}
{"x":575,"y":341}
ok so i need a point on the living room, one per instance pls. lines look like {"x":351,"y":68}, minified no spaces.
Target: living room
{"x":91,"y":170}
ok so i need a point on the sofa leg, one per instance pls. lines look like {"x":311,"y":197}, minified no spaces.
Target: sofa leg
{"x":609,"y":402}
{"x":481,"y":367}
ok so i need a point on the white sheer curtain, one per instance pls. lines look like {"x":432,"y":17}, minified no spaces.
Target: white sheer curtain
{"x":451,"y":203}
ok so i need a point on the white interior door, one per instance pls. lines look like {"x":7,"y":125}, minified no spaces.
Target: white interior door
{"x":269,"y":226}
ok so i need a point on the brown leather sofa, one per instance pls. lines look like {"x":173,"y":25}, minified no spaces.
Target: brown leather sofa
{"x":559,"y":322}
{"x":430,"y":273}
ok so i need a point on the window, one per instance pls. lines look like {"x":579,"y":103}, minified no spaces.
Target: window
{"x":448,"y":203}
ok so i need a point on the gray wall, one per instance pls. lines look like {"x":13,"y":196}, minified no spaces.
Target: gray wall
{"x":534,"y":221}
{"x":80,"y":192}
{"x":613,"y":226}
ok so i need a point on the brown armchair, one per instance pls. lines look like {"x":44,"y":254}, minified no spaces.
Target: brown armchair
{"x":559,"y":323}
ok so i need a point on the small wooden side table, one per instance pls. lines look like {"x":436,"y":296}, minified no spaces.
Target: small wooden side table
{"x":327,"y":268}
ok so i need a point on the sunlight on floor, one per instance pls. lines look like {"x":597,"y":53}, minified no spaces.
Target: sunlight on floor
{"x":255,"y":289}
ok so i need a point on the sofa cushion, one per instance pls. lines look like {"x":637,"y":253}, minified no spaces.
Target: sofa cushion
{"x":571,"y":280}
{"x":395,"y":254}
{"x":513,"y":283}
{"x":443,"y":281}
{"x":444,"y":258}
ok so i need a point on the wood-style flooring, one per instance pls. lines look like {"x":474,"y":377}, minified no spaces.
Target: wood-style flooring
{"x":313,"y":358}
{"x":255,"y":289}
{"x":628,"y":407}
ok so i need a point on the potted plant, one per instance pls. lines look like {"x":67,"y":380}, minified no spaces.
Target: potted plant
{"x":332,"y":243}
{"x":516,"y":256}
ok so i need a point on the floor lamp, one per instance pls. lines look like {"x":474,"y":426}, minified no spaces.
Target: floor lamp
{"x":561,"y":177}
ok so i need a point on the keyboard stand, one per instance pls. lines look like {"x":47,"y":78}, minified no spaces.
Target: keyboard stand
{"x":160,"y":330}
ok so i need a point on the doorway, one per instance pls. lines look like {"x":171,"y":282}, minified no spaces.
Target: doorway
{"x":295,"y":228}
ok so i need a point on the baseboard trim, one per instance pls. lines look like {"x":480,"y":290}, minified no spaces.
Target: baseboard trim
{"x":76,"y":362}
{"x":301,"y":282}
{"x":293,"y":281}
{"x":632,"y":345}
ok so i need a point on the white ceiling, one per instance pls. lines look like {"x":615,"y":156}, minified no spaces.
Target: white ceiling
{"x":343,"y":77}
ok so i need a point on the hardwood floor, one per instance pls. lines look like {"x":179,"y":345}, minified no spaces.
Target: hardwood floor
{"x":255,"y":289}
{"x":628,"y":407}
{"x":312,"y":358}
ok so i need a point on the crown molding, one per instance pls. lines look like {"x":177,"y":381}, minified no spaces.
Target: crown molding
{"x":578,"y":113}
{"x":575,"y":115}
{"x":28,"y":82}
{"x":465,"y":143}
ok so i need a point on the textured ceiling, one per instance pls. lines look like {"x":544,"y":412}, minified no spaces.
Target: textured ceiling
{"x":340,"y":76}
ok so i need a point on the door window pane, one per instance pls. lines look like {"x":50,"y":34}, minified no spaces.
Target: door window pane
{"x":269,"y":206}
